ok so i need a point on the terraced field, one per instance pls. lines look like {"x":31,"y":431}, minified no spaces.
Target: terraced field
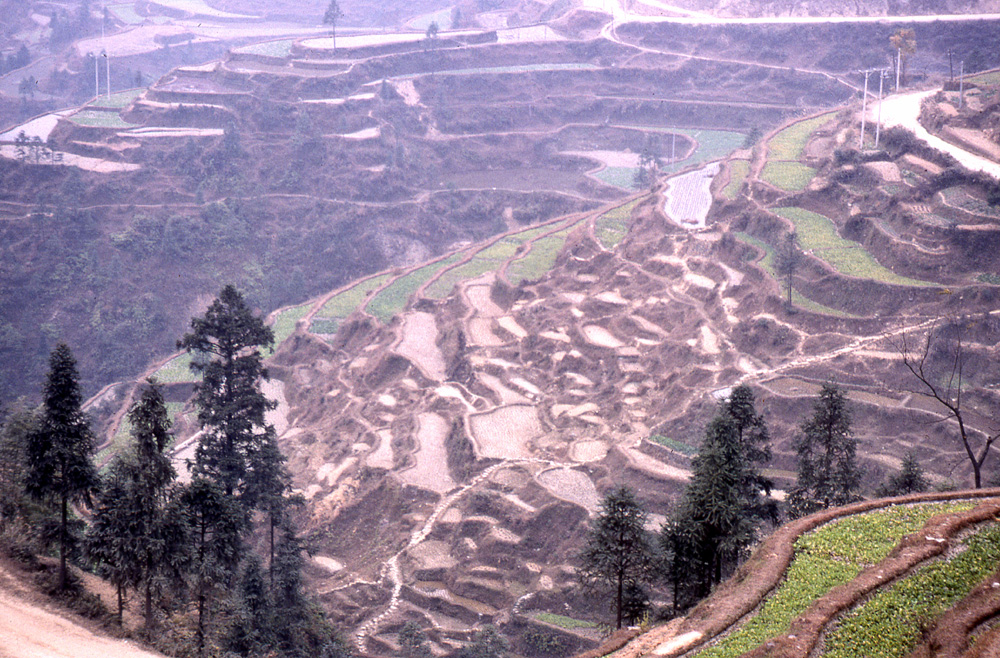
{"x":885,"y":564}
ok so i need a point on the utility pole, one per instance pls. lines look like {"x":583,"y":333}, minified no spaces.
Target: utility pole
{"x":97,"y":70}
{"x":107,"y":60}
{"x":951,"y":70}
{"x":878,"y":124}
{"x":961,"y":83}
{"x":864,"y":110}
{"x":673,"y":148}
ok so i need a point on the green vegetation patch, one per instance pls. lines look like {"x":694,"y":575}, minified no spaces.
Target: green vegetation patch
{"x":442,"y":18}
{"x":790,"y":142}
{"x":990,"y":278}
{"x":177,"y":371}
{"x":798,"y":299}
{"x":347,"y":301}
{"x":667,"y":442}
{"x":612,"y":227}
{"x":824,"y":558}
{"x":284,"y":324}
{"x":117,"y":101}
{"x":123,"y":437}
{"x":392,"y":299}
{"x":788,"y":176}
{"x":99,"y":119}
{"x":563,"y":622}
{"x":126,"y":13}
{"x":523,"y":68}
{"x":539,"y":260}
{"x":985,"y":79}
{"x":738,"y":171}
{"x":890,"y":624}
{"x":470,"y":270}
{"x":819,"y":235}
{"x":711,"y":145}
{"x":623,"y":177}
{"x":280,"y":48}
{"x":959,"y":198}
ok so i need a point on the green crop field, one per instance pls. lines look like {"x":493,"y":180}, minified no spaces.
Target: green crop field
{"x":284,"y":324}
{"x":680,"y":447}
{"x":738,"y":171}
{"x":99,"y":119}
{"x":798,"y":300}
{"x":539,"y":260}
{"x":824,"y":558}
{"x":563,"y":622}
{"x":790,"y":142}
{"x":890,"y":624}
{"x":623,"y":177}
{"x":819,"y":235}
{"x":522,"y":68}
{"x":126,"y":13}
{"x":117,"y":101}
{"x":176,"y":371}
{"x":788,"y":176}
{"x":989,"y":78}
{"x":470,"y":270}
{"x":280,"y":48}
{"x":392,"y":299}
{"x":346,"y":302}
{"x":612,"y":227}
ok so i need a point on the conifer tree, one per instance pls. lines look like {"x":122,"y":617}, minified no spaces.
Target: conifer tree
{"x":216,"y":524}
{"x":231,"y":405}
{"x":910,"y":479}
{"x":617,"y":553}
{"x":58,"y":452}
{"x":828,"y":472}
{"x":137,"y":538}
{"x":723,"y":504}
{"x":17,"y":427}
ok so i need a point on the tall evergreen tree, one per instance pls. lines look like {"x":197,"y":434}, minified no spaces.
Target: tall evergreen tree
{"x":331,"y":17}
{"x":136,"y":537}
{"x":216,"y":525}
{"x":910,"y":479}
{"x":618,"y":552}
{"x":828,"y":471}
{"x":231,"y":406}
{"x":58,"y":452}
{"x":724,"y":503}
{"x":17,"y":427}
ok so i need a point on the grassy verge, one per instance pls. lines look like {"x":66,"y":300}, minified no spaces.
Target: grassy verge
{"x":788,"y":176}
{"x":738,"y":171}
{"x":824,"y":558}
{"x":126,"y":13}
{"x":612,"y":227}
{"x":891,"y":623}
{"x":819,"y":235}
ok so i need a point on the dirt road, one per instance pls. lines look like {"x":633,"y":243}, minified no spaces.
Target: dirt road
{"x":28,"y":630}
{"x":904,"y":110}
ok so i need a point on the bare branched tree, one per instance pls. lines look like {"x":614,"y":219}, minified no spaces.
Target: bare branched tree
{"x":947,"y":391}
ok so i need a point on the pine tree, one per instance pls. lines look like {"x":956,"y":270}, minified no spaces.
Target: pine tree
{"x":617,"y":552}
{"x":216,"y":524}
{"x":17,"y":427}
{"x":331,"y":16}
{"x":723,"y":505}
{"x":910,"y":479}
{"x":136,"y":538}
{"x":786,"y":260}
{"x":58,"y":452}
{"x":230,"y":403}
{"x":828,"y":472}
